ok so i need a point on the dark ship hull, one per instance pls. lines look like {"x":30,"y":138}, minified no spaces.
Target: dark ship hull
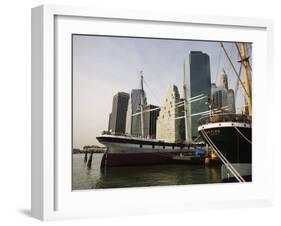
{"x":137,"y":159}
{"x":133,"y":151}
{"x":232,"y":137}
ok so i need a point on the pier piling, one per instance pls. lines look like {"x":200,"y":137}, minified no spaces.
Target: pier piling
{"x":86,"y":156}
{"x":89,"y":164}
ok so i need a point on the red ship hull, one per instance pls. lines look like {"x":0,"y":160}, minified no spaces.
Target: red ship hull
{"x":135,"y":159}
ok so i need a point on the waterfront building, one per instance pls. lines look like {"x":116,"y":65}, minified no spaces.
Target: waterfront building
{"x":197,"y":81}
{"x":169,"y":128}
{"x":133,"y":122}
{"x":118,"y":115}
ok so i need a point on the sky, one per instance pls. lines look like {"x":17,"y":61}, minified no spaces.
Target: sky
{"x":103,"y":66}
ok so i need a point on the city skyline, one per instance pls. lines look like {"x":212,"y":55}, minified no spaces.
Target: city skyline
{"x":104,"y":66}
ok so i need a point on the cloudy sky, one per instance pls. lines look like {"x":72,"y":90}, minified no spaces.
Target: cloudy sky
{"x":103,"y":66}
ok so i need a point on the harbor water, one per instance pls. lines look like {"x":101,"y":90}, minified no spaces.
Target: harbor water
{"x":139,"y":176}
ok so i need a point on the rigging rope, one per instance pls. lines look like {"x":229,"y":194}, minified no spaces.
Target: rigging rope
{"x":152,"y":92}
{"x":228,"y":69}
{"x":243,"y":135}
{"x":223,"y":159}
{"x":219,"y":64}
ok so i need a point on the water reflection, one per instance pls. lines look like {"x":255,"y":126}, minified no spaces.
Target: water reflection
{"x":140,"y":176}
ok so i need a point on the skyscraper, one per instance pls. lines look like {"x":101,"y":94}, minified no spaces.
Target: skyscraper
{"x":223,"y":80}
{"x":109,"y":123}
{"x":151,"y":116}
{"x":222,"y":97}
{"x":118,"y":115}
{"x":231,"y":101}
{"x":133,"y":125}
{"x":213,"y":89}
{"x":197,"y":81}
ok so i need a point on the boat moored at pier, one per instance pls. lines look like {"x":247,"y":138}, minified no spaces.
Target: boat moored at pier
{"x":127,"y":150}
{"x":231,"y":135}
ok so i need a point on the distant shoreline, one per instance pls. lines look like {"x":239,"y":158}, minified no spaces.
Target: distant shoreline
{"x":83,"y":152}
{"x":88,"y":150}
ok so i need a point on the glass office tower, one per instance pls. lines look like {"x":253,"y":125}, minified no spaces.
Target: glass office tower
{"x":197,"y":81}
{"x":117,"y":118}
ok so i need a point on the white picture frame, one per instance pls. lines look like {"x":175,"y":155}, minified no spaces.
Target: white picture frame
{"x":52,"y":197}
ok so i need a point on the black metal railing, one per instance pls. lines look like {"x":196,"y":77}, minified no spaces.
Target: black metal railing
{"x":224,"y":117}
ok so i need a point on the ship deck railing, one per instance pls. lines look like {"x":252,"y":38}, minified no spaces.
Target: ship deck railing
{"x":124,"y":134}
{"x":224,"y":117}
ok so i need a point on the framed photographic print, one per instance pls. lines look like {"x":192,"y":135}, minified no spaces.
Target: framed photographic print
{"x":136,"y":113}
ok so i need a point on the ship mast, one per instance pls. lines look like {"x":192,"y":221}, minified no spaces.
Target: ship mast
{"x":247,"y":78}
{"x":246,"y":83}
{"x":187,"y":118}
{"x":142,"y":105}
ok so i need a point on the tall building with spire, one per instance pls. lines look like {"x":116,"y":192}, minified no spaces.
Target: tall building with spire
{"x":197,"y":81}
{"x":223,"y":97}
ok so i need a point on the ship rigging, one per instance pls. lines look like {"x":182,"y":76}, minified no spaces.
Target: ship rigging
{"x":229,"y":135}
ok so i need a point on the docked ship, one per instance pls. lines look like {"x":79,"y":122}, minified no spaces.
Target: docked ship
{"x":230,"y":135}
{"x":127,"y":149}
{"x":131,"y":151}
